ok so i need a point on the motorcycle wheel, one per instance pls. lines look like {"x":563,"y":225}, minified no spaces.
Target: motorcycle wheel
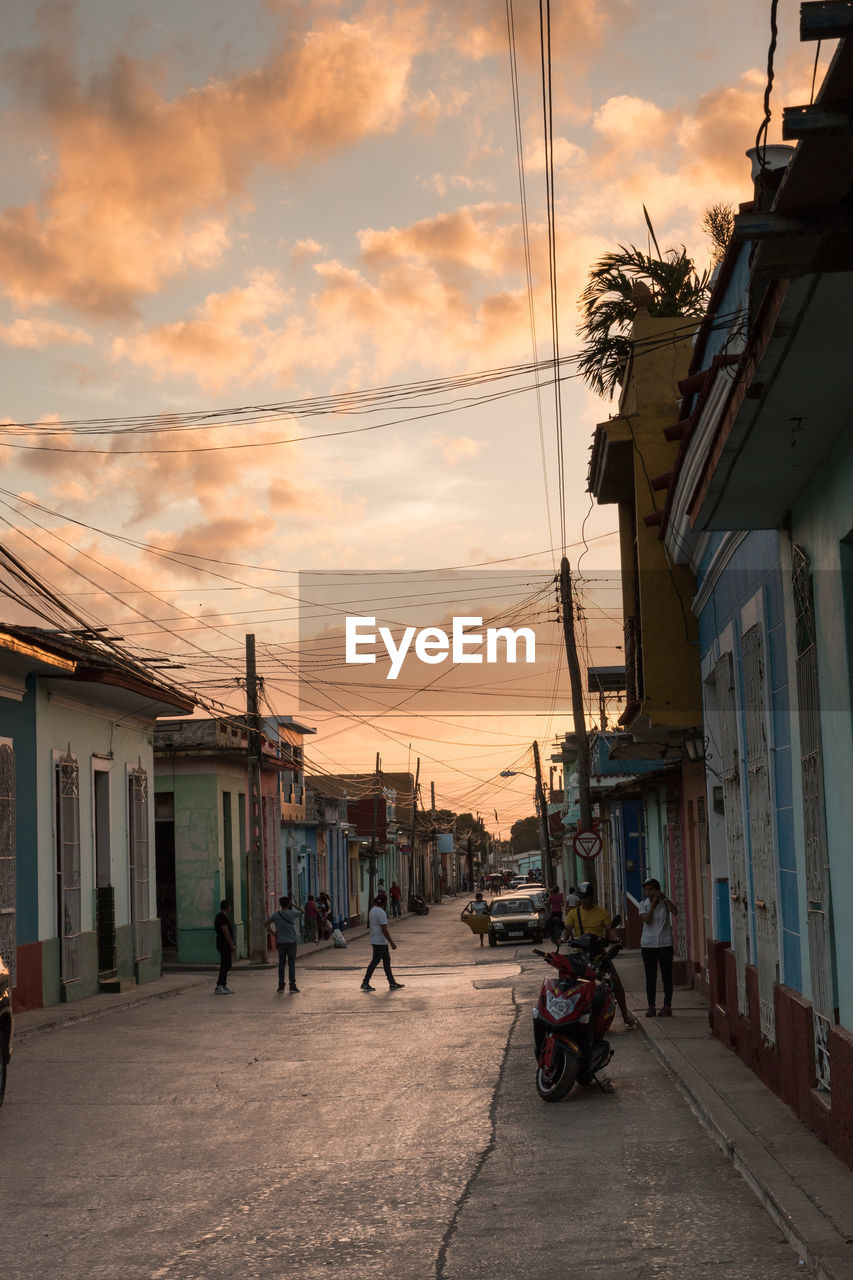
{"x":552,"y":1086}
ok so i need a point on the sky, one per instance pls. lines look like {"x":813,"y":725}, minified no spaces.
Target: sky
{"x":206,"y":207}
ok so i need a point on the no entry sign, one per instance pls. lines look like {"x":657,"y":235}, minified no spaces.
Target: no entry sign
{"x":587,"y":844}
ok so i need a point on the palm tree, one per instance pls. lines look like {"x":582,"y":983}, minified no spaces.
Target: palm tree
{"x":668,"y":285}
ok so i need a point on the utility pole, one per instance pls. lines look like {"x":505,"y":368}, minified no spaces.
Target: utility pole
{"x":581,"y":739}
{"x":373,"y":855}
{"x":257,"y":888}
{"x":413,"y":879}
{"x":542,"y":812}
{"x":436,"y":876}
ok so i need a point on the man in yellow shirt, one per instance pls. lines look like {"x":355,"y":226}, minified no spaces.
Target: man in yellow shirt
{"x":588,"y":917}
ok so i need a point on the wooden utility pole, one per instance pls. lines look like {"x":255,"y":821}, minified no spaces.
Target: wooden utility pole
{"x":581,"y":740}
{"x":257,"y":888}
{"x":436,"y":866}
{"x":413,"y":877}
{"x":373,"y":854}
{"x":542,"y":812}
{"x":577,"y":696}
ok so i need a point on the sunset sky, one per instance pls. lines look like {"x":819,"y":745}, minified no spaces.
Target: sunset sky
{"x":208,"y":206}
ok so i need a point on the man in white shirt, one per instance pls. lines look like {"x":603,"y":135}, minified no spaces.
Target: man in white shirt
{"x":380,"y":940}
{"x":656,"y":945}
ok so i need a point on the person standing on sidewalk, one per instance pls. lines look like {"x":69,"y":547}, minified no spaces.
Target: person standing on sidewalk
{"x":380,"y":940}
{"x":396,"y":895}
{"x":283,"y":924}
{"x":225,"y":945}
{"x":657,"y":946}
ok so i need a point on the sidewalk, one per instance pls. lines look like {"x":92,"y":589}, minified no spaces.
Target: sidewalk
{"x":806,"y":1190}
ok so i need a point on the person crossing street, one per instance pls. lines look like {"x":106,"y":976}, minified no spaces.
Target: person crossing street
{"x":381,"y":941}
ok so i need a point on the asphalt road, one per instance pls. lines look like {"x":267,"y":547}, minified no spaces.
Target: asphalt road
{"x":338,"y":1134}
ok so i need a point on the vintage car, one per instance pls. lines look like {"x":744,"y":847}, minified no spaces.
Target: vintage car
{"x":518,"y":918}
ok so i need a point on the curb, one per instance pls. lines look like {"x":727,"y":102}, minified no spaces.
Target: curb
{"x":810,"y":1231}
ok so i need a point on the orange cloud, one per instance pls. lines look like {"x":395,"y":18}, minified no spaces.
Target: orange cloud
{"x":35,"y":333}
{"x":156,"y":204}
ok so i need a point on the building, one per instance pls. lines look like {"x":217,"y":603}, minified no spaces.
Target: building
{"x":201,"y":786}
{"x":759,"y":505}
{"x":78,"y":906}
{"x":633,"y":454}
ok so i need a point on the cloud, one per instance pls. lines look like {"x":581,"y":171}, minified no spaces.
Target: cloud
{"x":35,"y":333}
{"x":456,"y":449}
{"x":441,"y":183}
{"x":169,"y":171}
{"x":304,"y":250}
{"x":478,"y":29}
{"x":219,"y":341}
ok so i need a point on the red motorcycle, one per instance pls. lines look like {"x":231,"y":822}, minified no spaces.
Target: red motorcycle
{"x":575,"y":1009}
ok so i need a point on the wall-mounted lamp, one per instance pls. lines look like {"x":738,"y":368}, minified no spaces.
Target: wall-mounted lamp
{"x":694,"y":748}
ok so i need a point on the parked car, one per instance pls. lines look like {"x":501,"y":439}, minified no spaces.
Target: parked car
{"x":521,"y":882}
{"x":520,"y":918}
{"x":5,"y":1025}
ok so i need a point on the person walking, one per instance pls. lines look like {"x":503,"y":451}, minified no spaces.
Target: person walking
{"x":478,"y":908}
{"x":225,"y":945}
{"x":380,"y":940}
{"x":312,"y":919}
{"x":283,"y":924}
{"x":396,"y":899}
{"x":656,"y":946}
{"x":588,"y":917}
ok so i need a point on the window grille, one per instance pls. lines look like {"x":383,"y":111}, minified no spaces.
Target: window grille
{"x":814,"y":818}
{"x":69,"y":926}
{"x":733,"y":818}
{"x":761,"y":829}
{"x":8,"y":936}
{"x":138,"y":863}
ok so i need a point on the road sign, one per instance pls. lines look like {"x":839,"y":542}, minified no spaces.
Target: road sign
{"x":587,"y":844}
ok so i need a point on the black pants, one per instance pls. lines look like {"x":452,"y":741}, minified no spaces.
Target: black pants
{"x":382,"y":953}
{"x":224,"y":966}
{"x":652,"y":957}
{"x":286,"y":957}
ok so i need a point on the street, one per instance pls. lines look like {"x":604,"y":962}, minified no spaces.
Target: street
{"x":336,"y":1133}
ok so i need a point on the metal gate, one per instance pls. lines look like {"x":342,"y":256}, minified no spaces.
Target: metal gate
{"x":814,"y":818}
{"x":733,"y":817}
{"x":8,"y":935}
{"x":68,"y":868}
{"x":761,"y":829}
{"x":139,"y":862}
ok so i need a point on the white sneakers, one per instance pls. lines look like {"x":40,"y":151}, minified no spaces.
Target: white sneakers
{"x":224,"y":991}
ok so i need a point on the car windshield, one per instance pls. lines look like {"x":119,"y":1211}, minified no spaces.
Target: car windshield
{"x":513,"y":907}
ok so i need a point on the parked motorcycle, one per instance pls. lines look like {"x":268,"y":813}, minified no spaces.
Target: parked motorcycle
{"x":575,"y":1009}
{"x":418,"y":906}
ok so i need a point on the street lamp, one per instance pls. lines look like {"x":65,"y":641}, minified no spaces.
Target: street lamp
{"x":515,"y":773}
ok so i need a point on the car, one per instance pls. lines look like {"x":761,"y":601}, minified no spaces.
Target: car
{"x":521,"y":882}
{"x":5,"y":1025}
{"x":520,"y":918}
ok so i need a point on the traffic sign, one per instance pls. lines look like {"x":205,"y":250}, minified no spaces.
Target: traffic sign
{"x":587,"y":844}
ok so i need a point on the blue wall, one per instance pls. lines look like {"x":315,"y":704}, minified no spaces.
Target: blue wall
{"x":756,"y":566}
